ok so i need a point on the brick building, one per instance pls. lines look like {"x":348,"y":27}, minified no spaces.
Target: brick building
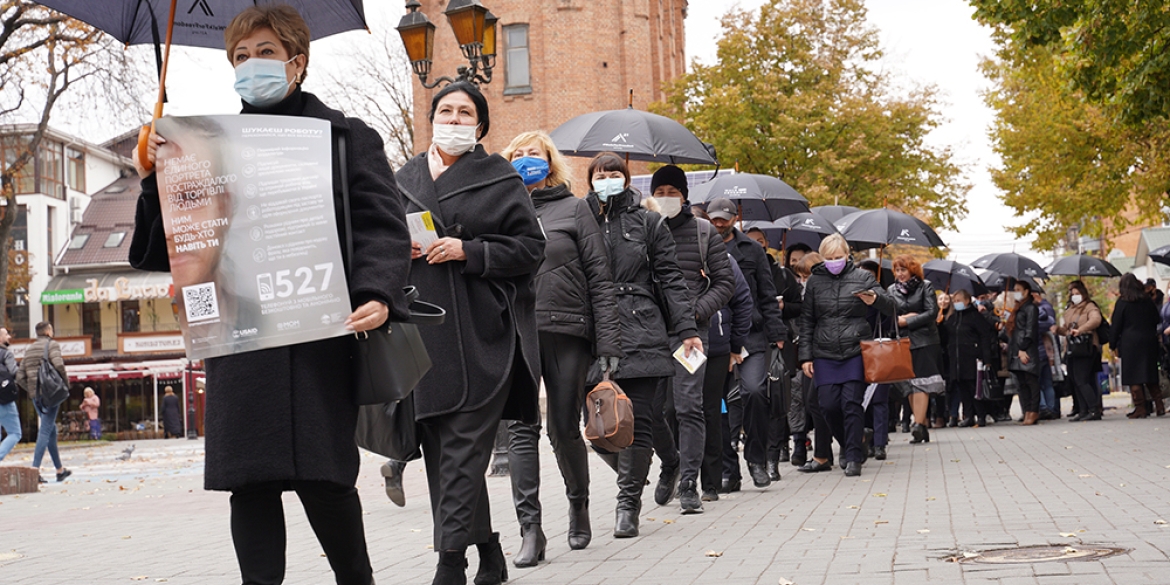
{"x":561,"y":58}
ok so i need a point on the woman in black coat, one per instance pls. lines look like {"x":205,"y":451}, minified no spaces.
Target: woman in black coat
{"x":653,"y":302}
{"x":970,"y":338}
{"x":1134,"y":338}
{"x":577,"y":322}
{"x":487,"y":363}
{"x":917,"y":310}
{"x":1023,"y":352}
{"x":172,"y":414}
{"x":283,"y":418}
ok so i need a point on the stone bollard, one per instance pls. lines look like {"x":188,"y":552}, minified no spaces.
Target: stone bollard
{"x":18,"y":480}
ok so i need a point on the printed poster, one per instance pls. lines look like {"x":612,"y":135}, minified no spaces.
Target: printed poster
{"x":247,"y":206}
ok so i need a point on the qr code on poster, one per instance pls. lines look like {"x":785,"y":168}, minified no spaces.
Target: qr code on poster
{"x":201,"y":302}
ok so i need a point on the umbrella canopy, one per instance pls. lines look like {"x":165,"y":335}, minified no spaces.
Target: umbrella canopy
{"x":875,"y":228}
{"x":138,"y":22}
{"x":1011,"y":265}
{"x":1161,"y":255}
{"x":1082,"y":265}
{"x":994,"y":281}
{"x":948,"y":275}
{"x":638,"y":135}
{"x":760,"y":197}
{"x":835,"y":212}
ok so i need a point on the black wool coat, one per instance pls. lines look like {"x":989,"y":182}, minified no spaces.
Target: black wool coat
{"x":1025,"y":337}
{"x":490,"y":330}
{"x":652,"y":294}
{"x":1134,"y":335}
{"x":970,"y":337}
{"x":287,"y":413}
{"x":574,"y":288}
{"x":767,"y":321}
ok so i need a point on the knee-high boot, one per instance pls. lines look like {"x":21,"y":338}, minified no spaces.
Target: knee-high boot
{"x":1155,"y":391}
{"x":574,"y":466}
{"x":633,"y":466}
{"x":1138,"y":395}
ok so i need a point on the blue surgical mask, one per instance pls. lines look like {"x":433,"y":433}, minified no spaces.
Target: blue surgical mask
{"x":606,"y":188}
{"x":960,"y":306}
{"x":262,"y":82}
{"x":532,"y":170}
{"x":836,"y":266}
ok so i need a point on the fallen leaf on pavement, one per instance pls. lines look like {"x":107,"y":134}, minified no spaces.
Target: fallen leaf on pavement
{"x":1068,"y":534}
{"x":1159,"y":521}
{"x":668,"y":521}
{"x":1084,"y":475}
{"x":954,"y":460}
{"x":931,"y":499}
{"x":876,"y":522}
{"x":923,"y":531}
{"x":125,"y":538}
{"x":714,"y":553}
{"x":879,"y":495}
{"x":784,"y":581}
{"x":138,"y":578}
{"x":853,"y":507}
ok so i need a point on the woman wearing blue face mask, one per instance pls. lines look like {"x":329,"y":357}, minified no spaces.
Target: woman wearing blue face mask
{"x":283,"y":419}
{"x":832,"y":326}
{"x":970,"y":338}
{"x":577,"y":322}
{"x":652,"y":298}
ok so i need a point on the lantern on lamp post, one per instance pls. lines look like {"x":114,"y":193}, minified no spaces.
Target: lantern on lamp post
{"x":475,"y":31}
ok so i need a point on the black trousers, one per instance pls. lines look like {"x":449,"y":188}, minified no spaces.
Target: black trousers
{"x":877,"y":416}
{"x":457,"y":449}
{"x":565,"y":361}
{"x":841,"y":406}
{"x":1083,"y":373}
{"x":971,"y":407}
{"x":714,"y":382}
{"x":822,"y":434}
{"x":334,"y":511}
{"x":1029,"y":391}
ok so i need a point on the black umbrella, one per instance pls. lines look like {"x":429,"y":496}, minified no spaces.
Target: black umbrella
{"x":1082,"y":265}
{"x":802,"y":228}
{"x":636,"y":134}
{"x":1011,"y":265}
{"x":835,"y":212}
{"x":1161,"y":255}
{"x":760,"y":197}
{"x":877,"y":228}
{"x":994,"y":281}
{"x":948,"y":275}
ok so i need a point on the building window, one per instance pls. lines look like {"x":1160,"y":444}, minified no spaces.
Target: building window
{"x":78,"y":241}
{"x":51,"y":219}
{"x":91,"y":323}
{"x":51,"y":170}
{"x":14,"y":147}
{"x":114,"y":240}
{"x":75,"y":169}
{"x":130,"y":316}
{"x":517,"y":77}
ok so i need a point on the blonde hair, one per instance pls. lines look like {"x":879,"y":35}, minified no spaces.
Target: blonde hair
{"x":834,"y":243}
{"x":805,"y":265}
{"x":283,"y":20}
{"x":558,"y":171}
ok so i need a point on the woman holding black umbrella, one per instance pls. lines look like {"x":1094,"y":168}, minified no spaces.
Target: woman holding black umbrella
{"x":970,"y":338}
{"x":917,"y":306}
{"x":1134,"y":338}
{"x":1023,"y":331}
{"x":1080,"y":321}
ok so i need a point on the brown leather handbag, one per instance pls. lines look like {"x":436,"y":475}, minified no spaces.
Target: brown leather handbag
{"x":609,"y":423}
{"x":887,"y":360}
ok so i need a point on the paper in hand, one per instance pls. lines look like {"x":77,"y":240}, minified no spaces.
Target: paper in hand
{"x":692,"y":363}
{"x":422,"y":228}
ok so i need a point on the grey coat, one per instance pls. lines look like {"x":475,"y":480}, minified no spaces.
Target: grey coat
{"x":27,"y":374}
{"x":490,"y":334}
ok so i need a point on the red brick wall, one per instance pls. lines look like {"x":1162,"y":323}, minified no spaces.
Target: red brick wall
{"x":584,"y":56}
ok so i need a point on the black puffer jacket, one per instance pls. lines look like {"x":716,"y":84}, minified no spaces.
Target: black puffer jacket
{"x":1025,"y":336}
{"x":832,"y":320}
{"x":642,"y":259}
{"x":574,"y":290}
{"x":970,"y":337}
{"x":922,"y":328}
{"x":767,"y":322}
{"x":712,"y":290}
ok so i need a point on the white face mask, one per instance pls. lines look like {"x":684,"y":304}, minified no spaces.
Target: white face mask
{"x":1076,"y":299}
{"x":454,"y":139}
{"x":1017,"y":296}
{"x":670,"y":206}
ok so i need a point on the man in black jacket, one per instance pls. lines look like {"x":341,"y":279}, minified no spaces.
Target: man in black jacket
{"x":706,"y":267}
{"x":767,"y":330}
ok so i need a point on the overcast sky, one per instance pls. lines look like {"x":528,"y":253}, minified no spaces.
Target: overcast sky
{"x":926,"y":42}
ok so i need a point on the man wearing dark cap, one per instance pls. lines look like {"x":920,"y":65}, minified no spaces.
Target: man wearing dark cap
{"x":702,"y":256}
{"x":767,"y":330}
{"x":1156,"y":295}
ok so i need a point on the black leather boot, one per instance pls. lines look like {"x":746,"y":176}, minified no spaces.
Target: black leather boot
{"x":532,"y":547}
{"x":580,"y":531}
{"x":493,"y":568}
{"x":610,"y":459}
{"x":799,"y":450}
{"x":633,"y":466}
{"x":452,"y":569}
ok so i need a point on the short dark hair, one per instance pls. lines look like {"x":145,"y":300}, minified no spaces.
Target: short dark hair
{"x":1131,"y":289}
{"x":43,"y":327}
{"x":608,"y":162}
{"x":481,"y":104}
{"x":1026,"y":284}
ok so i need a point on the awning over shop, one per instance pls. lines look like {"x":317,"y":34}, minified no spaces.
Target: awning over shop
{"x":161,"y":369}
{"x":91,"y":287}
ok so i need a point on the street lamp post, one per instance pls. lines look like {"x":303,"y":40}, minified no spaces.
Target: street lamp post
{"x":475,"y":31}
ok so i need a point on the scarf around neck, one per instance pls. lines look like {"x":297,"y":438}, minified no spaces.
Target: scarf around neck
{"x":907,"y":288}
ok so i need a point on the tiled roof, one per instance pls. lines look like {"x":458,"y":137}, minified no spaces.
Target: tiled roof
{"x":111,"y":210}
{"x":1156,"y":237}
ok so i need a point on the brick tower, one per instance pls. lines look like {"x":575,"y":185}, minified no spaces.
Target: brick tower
{"x":581,"y":56}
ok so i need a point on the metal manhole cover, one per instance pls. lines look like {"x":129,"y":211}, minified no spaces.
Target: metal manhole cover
{"x":1040,"y":554}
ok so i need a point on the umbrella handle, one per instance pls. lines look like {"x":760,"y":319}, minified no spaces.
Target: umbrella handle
{"x":145,"y":132}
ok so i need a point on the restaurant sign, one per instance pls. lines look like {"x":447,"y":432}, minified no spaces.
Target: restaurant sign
{"x":124,"y":291}
{"x":61,"y":297}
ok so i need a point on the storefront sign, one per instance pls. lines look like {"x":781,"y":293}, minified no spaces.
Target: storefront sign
{"x":247,"y":208}
{"x":70,"y":346}
{"x":123,"y":291}
{"x":62,"y":297}
{"x":169,"y":342}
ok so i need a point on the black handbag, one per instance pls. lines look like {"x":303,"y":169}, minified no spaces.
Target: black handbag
{"x":779,"y":384}
{"x":987,"y":385}
{"x":389,"y":430}
{"x":1081,"y":346}
{"x":388,"y":362}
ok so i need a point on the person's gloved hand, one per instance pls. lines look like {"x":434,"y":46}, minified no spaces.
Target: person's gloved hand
{"x":608,"y":364}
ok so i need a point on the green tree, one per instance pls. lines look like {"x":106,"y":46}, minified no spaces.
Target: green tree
{"x":798,"y":93}
{"x":1115,"y":52}
{"x":1065,"y":161}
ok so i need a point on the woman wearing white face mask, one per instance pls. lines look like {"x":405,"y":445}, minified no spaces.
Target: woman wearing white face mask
{"x":283,"y":419}
{"x":653,"y":298}
{"x":1023,"y":330}
{"x":1079,"y":322}
{"x":487,"y":362}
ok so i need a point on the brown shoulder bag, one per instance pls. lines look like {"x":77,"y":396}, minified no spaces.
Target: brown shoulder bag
{"x":609,"y":424}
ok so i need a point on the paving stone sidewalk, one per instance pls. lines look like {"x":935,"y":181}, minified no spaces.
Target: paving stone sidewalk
{"x":147,"y":519}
